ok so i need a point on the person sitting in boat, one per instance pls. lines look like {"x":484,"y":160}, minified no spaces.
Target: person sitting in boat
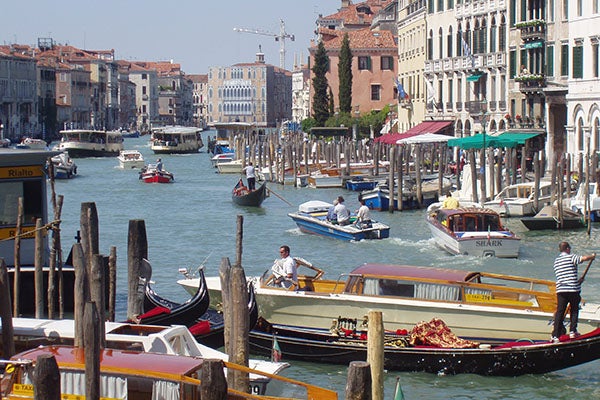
{"x":250,"y":176}
{"x":284,"y":270}
{"x":342,"y":213}
{"x":363,"y":215}
{"x":450,"y":202}
{"x":331,"y":217}
{"x":159,"y":165}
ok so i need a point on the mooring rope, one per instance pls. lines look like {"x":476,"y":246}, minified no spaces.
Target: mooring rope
{"x":49,"y":226}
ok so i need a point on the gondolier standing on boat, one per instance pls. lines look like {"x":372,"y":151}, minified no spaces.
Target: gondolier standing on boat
{"x":568,"y":289}
{"x":250,"y":176}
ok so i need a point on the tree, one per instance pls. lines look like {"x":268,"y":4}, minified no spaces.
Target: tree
{"x":320,"y":85}
{"x":331,"y":103}
{"x":345,"y":76}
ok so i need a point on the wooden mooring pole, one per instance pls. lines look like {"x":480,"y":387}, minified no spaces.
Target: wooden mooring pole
{"x":8,"y":344}
{"x":375,"y":355}
{"x":358,"y":383}
{"x":46,"y":378}
{"x":137,"y":250}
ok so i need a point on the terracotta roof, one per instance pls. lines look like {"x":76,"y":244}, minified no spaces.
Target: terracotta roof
{"x":360,"y":39}
{"x":198,"y":78}
{"x":355,"y":13}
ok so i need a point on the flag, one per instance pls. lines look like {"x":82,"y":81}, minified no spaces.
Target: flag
{"x":466,"y":49}
{"x":430,"y":91}
{"x":276,"y":351}
{"x":401,"y":93}
{"x":398,"y":394}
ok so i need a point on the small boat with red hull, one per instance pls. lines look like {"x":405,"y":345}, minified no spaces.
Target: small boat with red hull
{"x":151,"y":174}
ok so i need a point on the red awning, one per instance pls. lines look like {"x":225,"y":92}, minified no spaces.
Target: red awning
{"x":423,"y":127}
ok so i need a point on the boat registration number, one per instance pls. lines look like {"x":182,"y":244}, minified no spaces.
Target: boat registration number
{"x":474,"y":297}
{"x":23,"y":390}
{"x":488,"y":243}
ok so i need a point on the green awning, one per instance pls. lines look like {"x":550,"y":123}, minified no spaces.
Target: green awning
{"x":474,"y":77}
{"x":534,"y":45}
{"x":519,"y":137}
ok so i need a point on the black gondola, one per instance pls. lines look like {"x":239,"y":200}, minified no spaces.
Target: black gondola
{"x":506,"y":359}
{"x":547,"y":218}
{"x":161,"y":311}
{"x":208,"y":329}
{"x":242,"y":197}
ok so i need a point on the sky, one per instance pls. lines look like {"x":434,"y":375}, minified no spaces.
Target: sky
{"x":197,"y":34}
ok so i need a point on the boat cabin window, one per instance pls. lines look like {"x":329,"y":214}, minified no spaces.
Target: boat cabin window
{"x":33,"y":197}
{"x":524,"y":192}
{"x":476,"y":223}
{"x":411,"y":289}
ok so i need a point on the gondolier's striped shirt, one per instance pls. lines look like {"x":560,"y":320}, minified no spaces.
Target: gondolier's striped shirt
{"x":565,"y":268}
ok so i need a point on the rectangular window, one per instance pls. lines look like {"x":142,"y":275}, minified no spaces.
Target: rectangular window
{"x":430,"y":48}
{"x":595,"y":70}
{"x":387,"y":63}
{"x":502,"y":35}
{"x":450,"y":91}
{"x":550,"y":61}
{"x":524,"y":59}
{"x":440,"y":5}
{"x":513,"y":64}
{"x":595,"y":6}
{"x":430,"y":7}
{"x":144,"y":89}
{"x":579,"y":8}
{"x":565,"y":10}
{"x":450,"y":4}
{"x":364,"y":63}
{"x":523,"y":10}
{"x":375,"y":92}
{"x":513,"y":12}
{"x":144,"y":76}
{"x":564,"y":60}
{"x":578,"y":62}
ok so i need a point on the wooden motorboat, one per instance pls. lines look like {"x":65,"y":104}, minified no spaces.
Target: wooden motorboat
{"x":91,"y":143}
{"x":471,"y":231}
{"x":475,"y":304}
{"x":130,"y":374}
{"x":150,"y":174}
{"x":230,"y":167}
{"x":129,"y":159}
{"x":510,"y":358}
{"x":548,"y":218}
{"x":587,"y":193}
{"x":241,"y":196}
{"x":312,"y":218}
{"x":359,"y":183}
{"x":174,"y":339}
{"x":159,"y":311}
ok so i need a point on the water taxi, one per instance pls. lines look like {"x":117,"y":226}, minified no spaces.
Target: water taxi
{"x":176,"y":140}
{"x":476,"y":305}
{"x":129,"y":159}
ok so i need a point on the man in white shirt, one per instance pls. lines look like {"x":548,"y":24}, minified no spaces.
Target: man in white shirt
{"x":363,"y":215}
{"x":250,"y":176}
{"x":342,"y":213}
{"x":285,"y":270}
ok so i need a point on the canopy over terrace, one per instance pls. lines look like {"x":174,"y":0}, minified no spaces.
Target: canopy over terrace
{"x":482,"y":140}
{"x":420,"y":129}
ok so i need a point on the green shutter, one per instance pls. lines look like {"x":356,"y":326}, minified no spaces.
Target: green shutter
{"x":513,"y":12}
{"x":564,"y":60}
{"x":524,"y":58}
{"x":578,"y":62}
{"x":513,"y":63}
{"x":550,"y":61}
{"x":369,"y":64}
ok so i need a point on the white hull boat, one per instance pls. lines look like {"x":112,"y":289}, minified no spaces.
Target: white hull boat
{"x":129,"y":159}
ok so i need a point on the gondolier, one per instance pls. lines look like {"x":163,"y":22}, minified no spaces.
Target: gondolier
{"x":568,"y":289}
{"x":250,"y":176}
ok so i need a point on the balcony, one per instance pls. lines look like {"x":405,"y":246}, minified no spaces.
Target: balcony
{"x":531,"y":82}
{"x":476,"y":107}
{"x":534,"y":29}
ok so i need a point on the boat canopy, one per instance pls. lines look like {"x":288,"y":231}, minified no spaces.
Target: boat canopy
{"x":413,"y":272}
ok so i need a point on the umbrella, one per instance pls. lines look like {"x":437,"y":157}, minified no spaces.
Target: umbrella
{"x":480,"y":141}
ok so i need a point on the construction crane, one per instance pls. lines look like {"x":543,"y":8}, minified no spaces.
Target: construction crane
{"x":279,"y":37}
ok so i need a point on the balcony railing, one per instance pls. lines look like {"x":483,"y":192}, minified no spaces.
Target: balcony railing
{"x":476,"y":107}
{"x":532,"y":29}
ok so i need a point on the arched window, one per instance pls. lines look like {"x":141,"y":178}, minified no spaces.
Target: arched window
{"x":579,"y":133}
{"x":449,"y":44}
{"x":493,"y":33}
{"x":430,"y":45}
{"x":596,"y":134}
{"x":441,"y":43}
{"x":483,"y":37}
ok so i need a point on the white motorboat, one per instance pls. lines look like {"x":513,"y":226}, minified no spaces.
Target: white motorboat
{"x":129,"y":159}
{"x":476,"y":305}
{"x":577,"y":202}
{"x":32,"y":144}
{"x":518,"y":200}
{"x":90,"y":143}
{"x":64,"y":166}
{"x":175,"y":339}
{"x":473,"y":231}
{"x":230,"y":167}
{"x":176,"y":140}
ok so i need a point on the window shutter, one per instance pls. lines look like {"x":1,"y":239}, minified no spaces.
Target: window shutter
{"x":578,"y":62}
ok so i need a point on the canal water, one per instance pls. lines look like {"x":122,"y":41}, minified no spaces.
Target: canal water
{"x":193,"y":221}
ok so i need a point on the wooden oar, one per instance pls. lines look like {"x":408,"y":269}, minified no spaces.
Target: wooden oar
{"x":586,"y":270}
{"x":280,"y":197}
